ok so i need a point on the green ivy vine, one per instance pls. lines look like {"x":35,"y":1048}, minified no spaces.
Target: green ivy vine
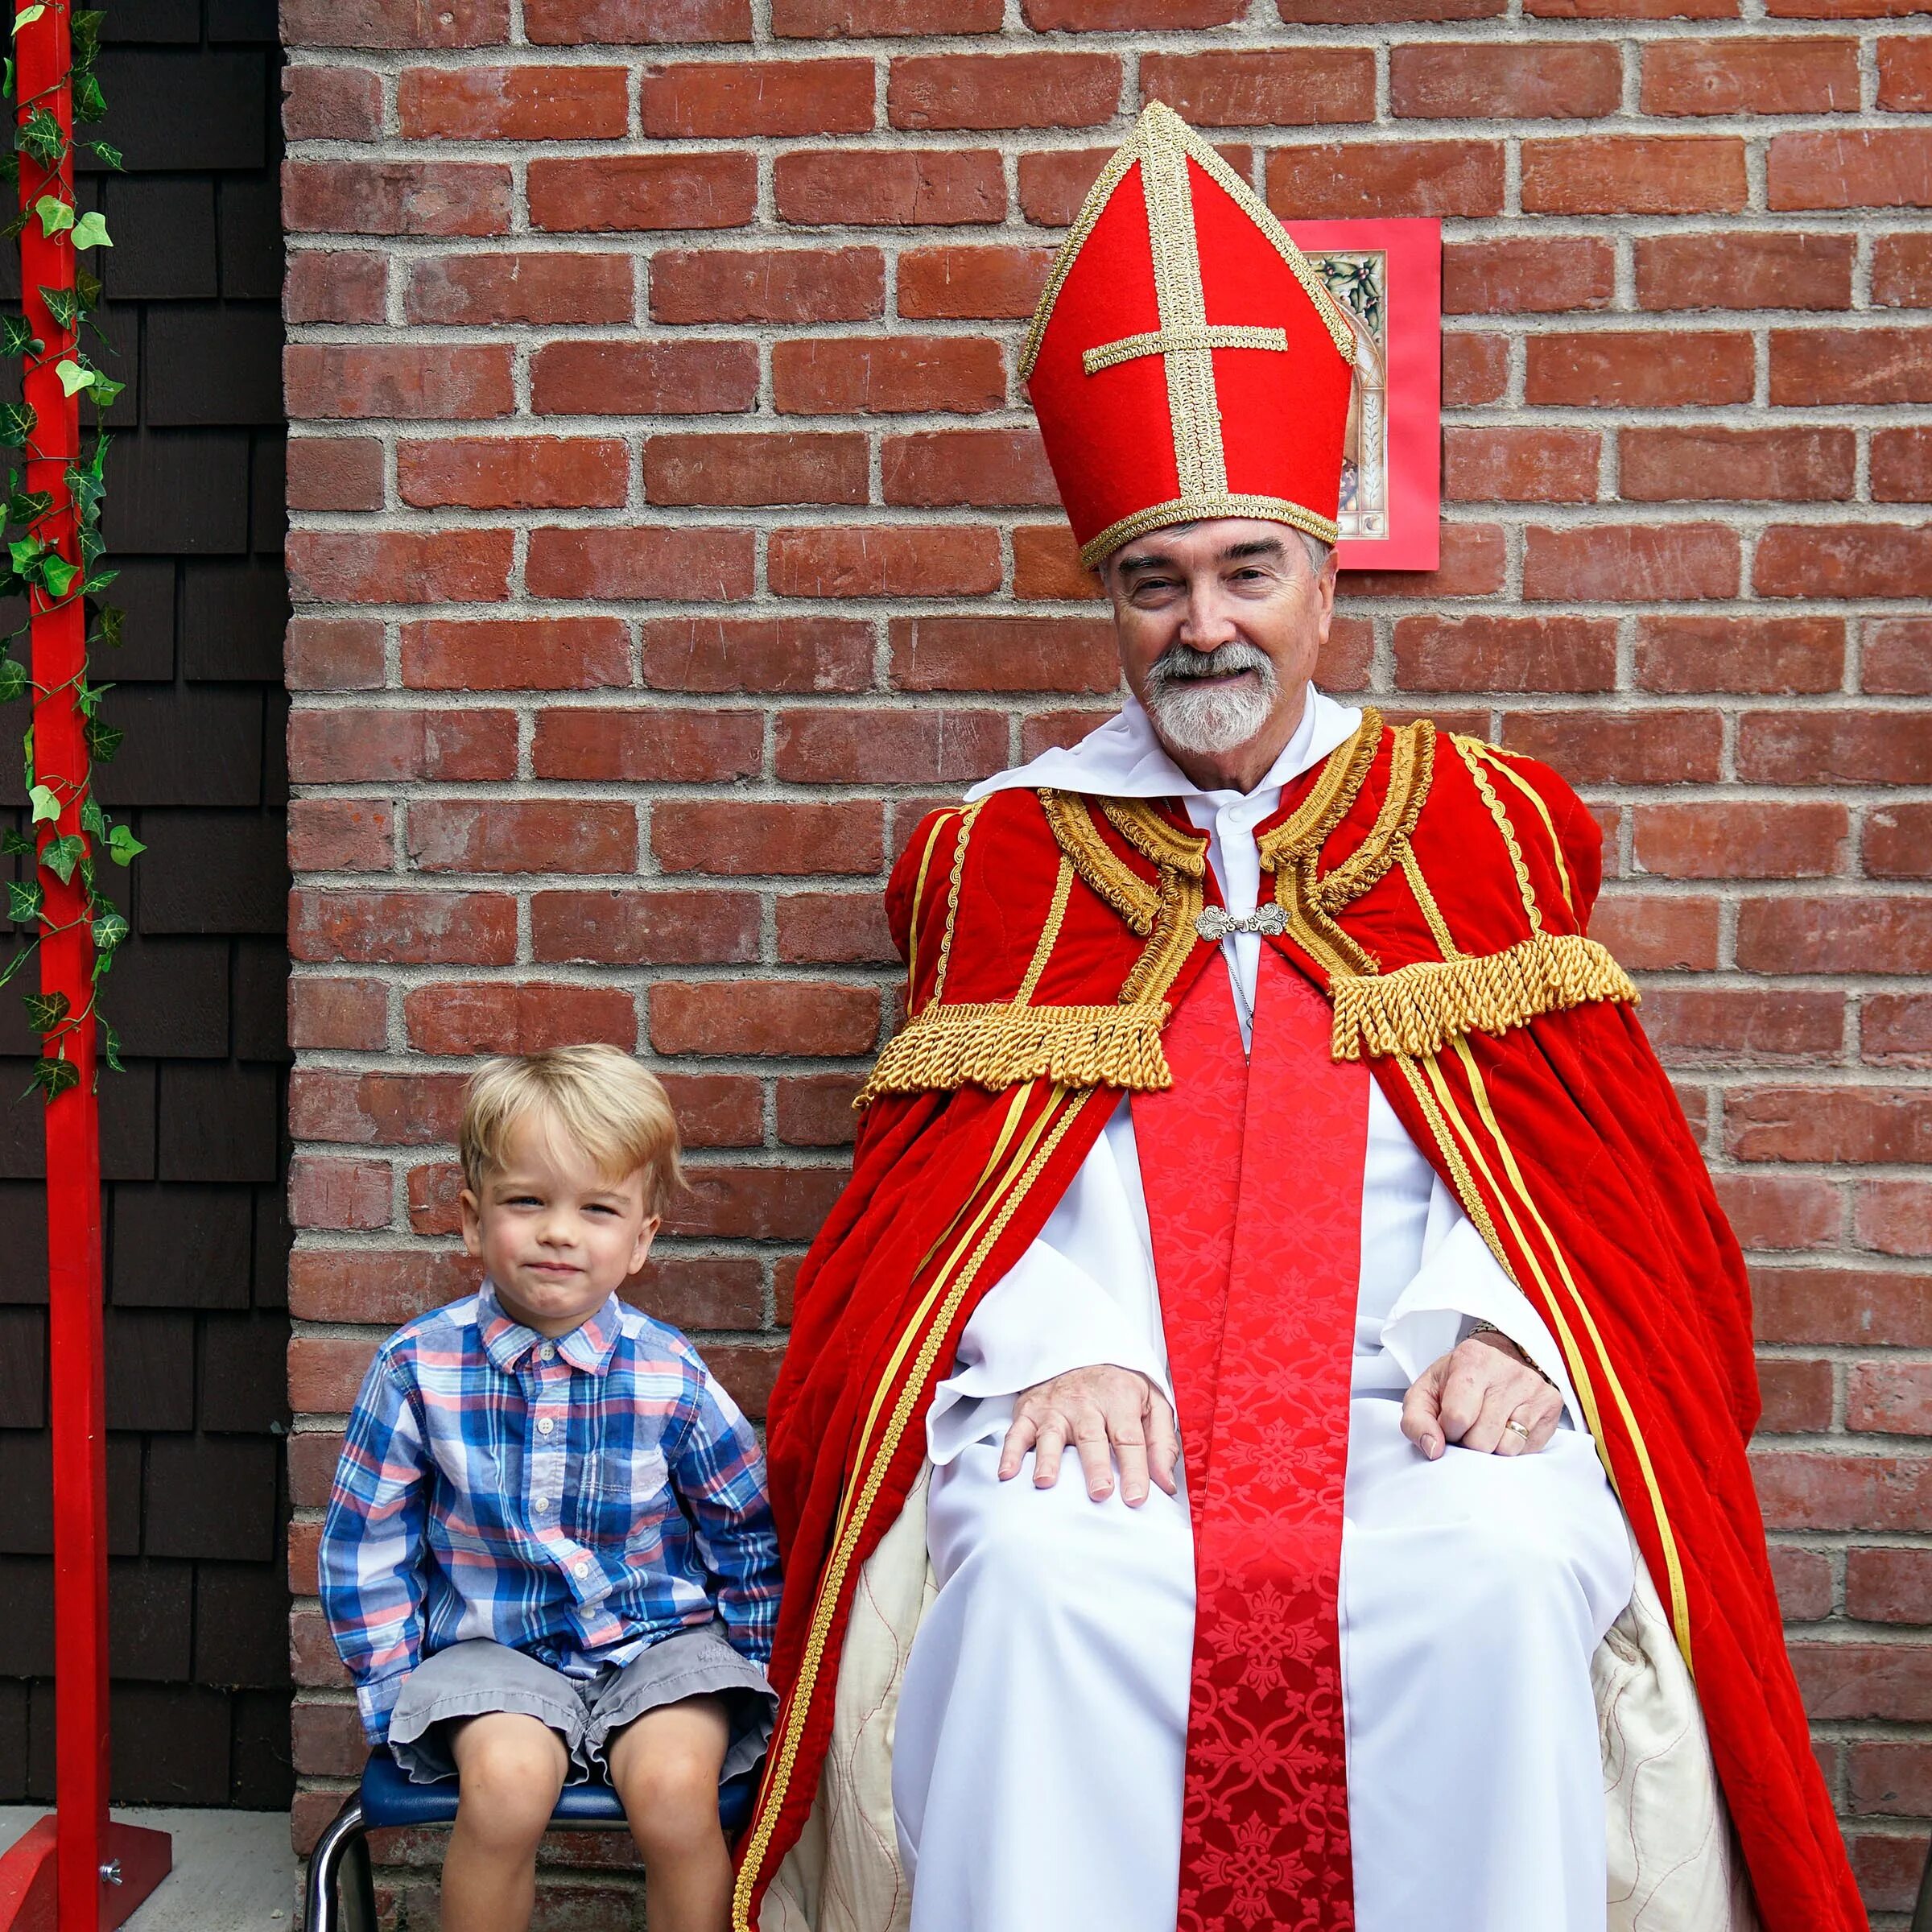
{"x":35,"y":565}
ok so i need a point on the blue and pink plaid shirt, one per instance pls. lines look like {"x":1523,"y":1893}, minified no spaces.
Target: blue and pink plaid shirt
{"x":576,"y":1498}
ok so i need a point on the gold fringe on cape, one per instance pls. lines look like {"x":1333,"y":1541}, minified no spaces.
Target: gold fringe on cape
{"x":1419,"y":1009}
{"x":997,"y":1046}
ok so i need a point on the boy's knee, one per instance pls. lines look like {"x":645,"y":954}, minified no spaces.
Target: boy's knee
{"x":671,"y":1798}
{"x":508,"y":1778}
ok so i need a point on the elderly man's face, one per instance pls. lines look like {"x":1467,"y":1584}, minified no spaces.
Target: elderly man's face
{"x":1220,"y":624}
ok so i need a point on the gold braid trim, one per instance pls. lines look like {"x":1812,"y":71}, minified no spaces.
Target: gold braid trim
{"x":1471,"y":751}
{"x":997,"y":1046}
{"x":952,"y":899}
{"x":1151,"y":836}
{"x":1302,"y":834}
{"x":1115,"y":883}
{"x":1417,"y":1009}
{"x":1193,"y":506}
{"x":1411,"y":766}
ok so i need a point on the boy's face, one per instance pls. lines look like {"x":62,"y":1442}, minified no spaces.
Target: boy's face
{"x":556,"y":1235}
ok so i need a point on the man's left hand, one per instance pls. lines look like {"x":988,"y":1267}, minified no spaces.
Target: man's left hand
{"x":1474,"y":1393}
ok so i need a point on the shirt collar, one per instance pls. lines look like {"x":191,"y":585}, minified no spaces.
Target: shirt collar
{"x":507,"y":1341}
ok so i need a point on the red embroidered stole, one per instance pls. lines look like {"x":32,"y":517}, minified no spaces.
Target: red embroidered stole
{"x":1253,"y":1170}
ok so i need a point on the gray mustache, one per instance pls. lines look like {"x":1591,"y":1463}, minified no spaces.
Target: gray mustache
{"x":1183,"y":665}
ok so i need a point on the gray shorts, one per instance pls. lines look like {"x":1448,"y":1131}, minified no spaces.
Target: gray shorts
{"x":473,"y":1679}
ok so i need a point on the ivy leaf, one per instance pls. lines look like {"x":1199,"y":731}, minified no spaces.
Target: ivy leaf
{"x":123,"y":847}
{"x":110,"y":1044}
{"x":56,"y":216}
{"x":55,"y":1077}
{"x":90,"y":104}
{"x":93,"y":543}
{"x":28,"y":505}
{"x":24,"y":898}
{"x":46,"y":804}
{"x":86,"y":27}
{"x":58,"y":574}
{"x":105,"y":390}
{"x":61,"y":855}
{"x":15,"y":845}
{"x":108,"y":156}
{"x":86,"y":488}
{"x":6,"y":81}
{"x":26,"y":16}
{"x":107,"y":624}
{"x":16,"y":335}
{"x":63,"y":304}
{"x":26,"y":552}
{"x":109,"y":931}
{"x":40,"y":136}
{"x":17,"y":423}
{"x":87,"y":289}
{"x":100,"y":580}
{"x":103,"y":740}
{"x":13,"y":680}
{"x":45,"y":1011}
{"x":73,"y":377}
{"x":93,"y":820}
{"x":90,"y":231}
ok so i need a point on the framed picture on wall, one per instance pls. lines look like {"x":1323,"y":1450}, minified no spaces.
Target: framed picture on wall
{"x":1388,"y":277}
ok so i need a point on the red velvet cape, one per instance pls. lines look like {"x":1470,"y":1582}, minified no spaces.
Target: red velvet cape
{"x":1437,"y":891}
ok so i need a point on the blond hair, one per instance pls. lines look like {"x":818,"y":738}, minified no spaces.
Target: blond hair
{"x":599,"y":1096}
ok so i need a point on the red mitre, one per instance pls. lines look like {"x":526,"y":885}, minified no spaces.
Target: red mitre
{"x":1185,"y":361}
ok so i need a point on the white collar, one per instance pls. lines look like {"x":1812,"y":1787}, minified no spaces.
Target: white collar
{"x":1123,"y":759}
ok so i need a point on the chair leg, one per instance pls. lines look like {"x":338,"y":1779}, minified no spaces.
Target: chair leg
{"x":341,"y":1851}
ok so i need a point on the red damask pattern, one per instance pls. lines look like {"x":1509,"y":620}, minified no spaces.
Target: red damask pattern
{"x":1253,"y":1175}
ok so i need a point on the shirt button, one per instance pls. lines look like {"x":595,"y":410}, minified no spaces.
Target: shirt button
{"x":544,"y":1425}
{"x":539,"y":1503}
{"x":546,"y":1352}
{"x":583,"y":1569}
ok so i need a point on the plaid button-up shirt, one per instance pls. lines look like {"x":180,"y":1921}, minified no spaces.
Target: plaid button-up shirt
{"x":576,"y":1498}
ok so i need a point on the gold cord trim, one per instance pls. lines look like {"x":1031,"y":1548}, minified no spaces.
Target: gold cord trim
{"x":1194,"y":410}
{"x":1154,"y":838}
{"x":1166,"y":341}
{"x":1439,"y":926}
{"x":1174,"y":937}
{"x":1469,"y":749}
{"x":1119,"y":163}
{"x":1117,"y":883}
{"x":1190,"y":509}
{"x":1421,"y":1008}
{"x":941,"y":820}
{"x":1050,"y":933}
{"x":1493,"y":755}
{"x":1411,"y":767}
{"x":952,"y":899}
{"x":998,"y":1046}
{"x":1301,"y":836}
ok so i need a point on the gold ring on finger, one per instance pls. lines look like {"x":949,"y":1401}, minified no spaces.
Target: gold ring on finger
{"x":1517,"y":1427}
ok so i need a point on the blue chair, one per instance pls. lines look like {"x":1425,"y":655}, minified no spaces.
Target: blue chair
{"x":341,"y":1888}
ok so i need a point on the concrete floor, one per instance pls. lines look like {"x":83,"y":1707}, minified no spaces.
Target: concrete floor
{"x":234,"y":1870}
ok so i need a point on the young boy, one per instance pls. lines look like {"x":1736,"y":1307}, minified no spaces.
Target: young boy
{"x":549,"y":1553}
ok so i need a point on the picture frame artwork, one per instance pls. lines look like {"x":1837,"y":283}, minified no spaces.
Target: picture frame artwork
{"x":1387,"y":276}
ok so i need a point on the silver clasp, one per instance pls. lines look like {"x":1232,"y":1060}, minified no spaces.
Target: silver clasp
{"x":1216,"y":922}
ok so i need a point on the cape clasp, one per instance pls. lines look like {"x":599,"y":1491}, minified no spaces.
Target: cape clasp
{"x":1215,"y":922}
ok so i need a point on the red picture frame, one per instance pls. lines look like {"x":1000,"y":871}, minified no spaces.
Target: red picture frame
{"x":1388,"y":276}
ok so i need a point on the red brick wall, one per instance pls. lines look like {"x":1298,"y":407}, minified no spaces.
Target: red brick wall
{"x":667,"y":532}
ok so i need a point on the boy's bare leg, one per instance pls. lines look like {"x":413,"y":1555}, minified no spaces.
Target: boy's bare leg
{"x":511,"y":1768}
{"x":665,"y":1765}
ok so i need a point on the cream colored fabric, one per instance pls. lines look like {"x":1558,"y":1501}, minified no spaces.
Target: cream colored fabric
{"x":1672,"y":1863}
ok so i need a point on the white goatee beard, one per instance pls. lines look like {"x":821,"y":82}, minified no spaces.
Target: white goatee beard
{"x":1215,"y":719}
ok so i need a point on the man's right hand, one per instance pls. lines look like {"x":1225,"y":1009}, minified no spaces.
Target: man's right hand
{"x":1108,"y":1414}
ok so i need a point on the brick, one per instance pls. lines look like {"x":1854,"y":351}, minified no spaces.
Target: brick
{"x":514,"y":654}
{"x":858,"y":19}
{"x":628,"y":193}
{"x":680,"y":561}
{"x":1385,"y":178}
{"x":399,"y":567}
{"x":521,"y":103}
{"x":1046,"y":563}
{"x":1744,"y":271}
{"x":1894,"y":1217}
{"x":1525,"y":466}
{"x":1797,"y":1396}
{"x":331,"y":104}
{"x":768,"y":284}
{"x":1264,"y":87}
{"x":1842,"y":1124}
{"x":403,"y":928}
{"x":1890,"y":1398}
{"x":395,"y":197}
{"x":340,"y":834}
{"x":848,"y":374}
{"x":465,"y":1016}
{"x":521,"y":836}
{"x":1638,"y":368}
{"x":756,"y":1204}
{"x":927,"y":93}
{"x":735,"y":99}
{"x":1099,"y":16}
{"x":1520,"y":276}
{"x":896,"y":187}
{"x":1821,"y":366}
{"x":1843,"y":560}
{"x":397,"y":379}
{"x":781,"y":838}
{"x":763,"y":1016}
{"x":1363,"y":13}
{"x":968,"y":283}
{"x":483,"y":290}
{"x":1475,"y":370}
{"x":1850,"y":167}
{"x":1803,"y":1578}
{"x":816,"y":1111}
{"x":835,"y":928}
{"x":848,"y":746}
{"x":1504,"y":653}
{"x":602,"y":744}
{"x":344,"y":1015}
{"x":1698,"y":1024}
{"x":888,"y":560}
{"x":1902,"y":271}
{"x":634,"y":23}
{"x":1525,"y":80}
{"x":1836,"y":934}
{"x":1775,"y":655}
{"x":1737,"y":465}
{"x":1897,"y":657}
{"x":1741,"y":74}
{"x":763,"y":467}
{"x":394,"y":23}
{"x":1471,"y":566}
{"x":336,"y":285}
{"x":1888,"y":1583}
{"x":1902,"y":466}
{"x":335,"y":473}
{"x":1898,"y":842}
{"x":1052,"y":730}
{"x":1820,"y":1305}
{"x":1630,"y":562}
{"x":1054,"y":182}
{"x":982,"y":468}
{"x":612,"y":927}
{"x":588,"y":378}
{"x":1757,"y":840}
{"x":1004,"y":653}
{"x":703,"y":1291}
{"x":1904,"y":75}
{"x":1784,"y":1212}
{"x":513,"y":472}
{"x":339,"y":1194}
{"x":1645,"y":747}
{"x":332,"y":653}
{"x":757,"y":654}
{"x":1634,"y":175}
{"x":388,"y":1287}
